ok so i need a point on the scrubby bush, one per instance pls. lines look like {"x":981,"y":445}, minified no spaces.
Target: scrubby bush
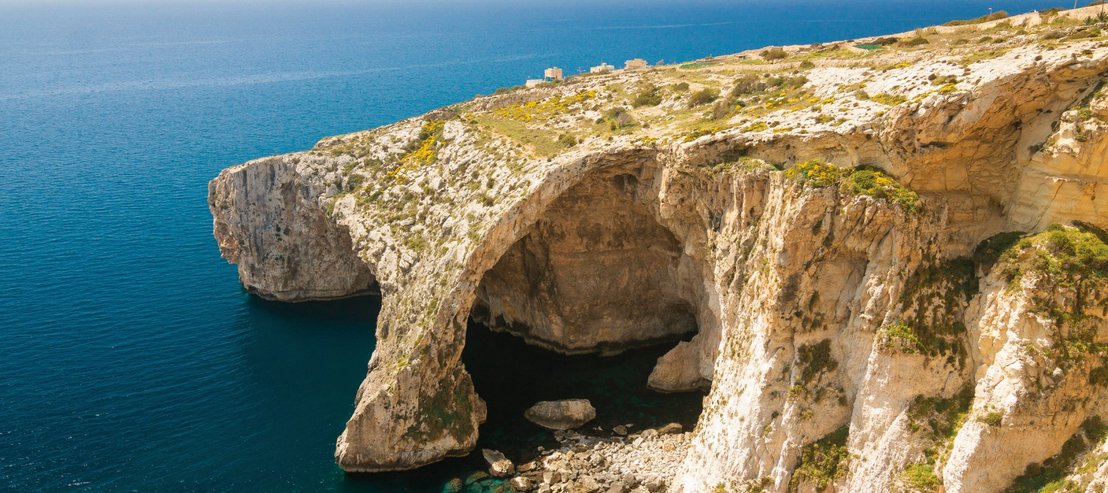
{"x":618,"y":118}
{"x":775,"y":53}
{"x":916,"y":41}
{"x":649,"y":95}
{"x":567,"y":140}
{"x":992,"y":418}
{"x":702,"y":97}
{"x":748,"y":84}
{"x":681,"y":86}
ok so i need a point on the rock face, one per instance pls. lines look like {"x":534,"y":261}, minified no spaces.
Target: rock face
{"x":839,"y":230}
{"x":561,"y":415}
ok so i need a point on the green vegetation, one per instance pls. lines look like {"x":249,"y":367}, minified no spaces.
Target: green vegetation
{"x":617,"y":119}
{"x":423,"y":150}
{"x":877,"y":184}
{"x":742,"y":165}
{"x":888,"y":99}
{"x":1064,"y":259}
{"x":816,"y":360}
{"x":1062,"y":256}
{"x":992,"y":418}
{"x":775,"y":53}
{"x":921,"y":478}
{"x":1077,"y":454}
{"x":988,"y":252}
{"x":567,"y":140}
{"x":858,"y":181}
{"x":702,"y":97}
{"x":748,"y":84}
{"x":916,"y":41}
{"x":933,"y":300}
{"x":823,"y":461}
{"x":899,"y":336}
{"x":995,"y":16}
{"x":695,"y":65}
{"x":449,"y":410}
{"x":531,"y":110}
{"x":649,"y":95}
{"x":939,"y":420}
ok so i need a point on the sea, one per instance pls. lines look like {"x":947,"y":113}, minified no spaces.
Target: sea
{"x":130,"y":357}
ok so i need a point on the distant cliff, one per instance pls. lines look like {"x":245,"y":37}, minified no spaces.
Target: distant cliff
{"x":891,"y":251}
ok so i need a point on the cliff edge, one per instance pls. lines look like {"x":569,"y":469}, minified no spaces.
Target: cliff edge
{"x":891,"y":252}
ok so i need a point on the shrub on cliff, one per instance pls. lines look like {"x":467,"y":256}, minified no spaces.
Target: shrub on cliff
{"x":1064,"y":256}
{"x":857,"y":181}
{"x":823,"y":461}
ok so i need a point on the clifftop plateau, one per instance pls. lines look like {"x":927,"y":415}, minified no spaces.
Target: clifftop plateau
{"x":891,"y":252}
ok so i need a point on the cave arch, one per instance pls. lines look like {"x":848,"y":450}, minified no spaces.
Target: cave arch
{"x":596,"y":273}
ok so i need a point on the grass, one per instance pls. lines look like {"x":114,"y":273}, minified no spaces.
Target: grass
{"x":536,"y":138}
{"x":888,"y":99}
{"x":921,"y":478}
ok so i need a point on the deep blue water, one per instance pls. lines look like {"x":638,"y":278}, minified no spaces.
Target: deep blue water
{"x":129,"y":356}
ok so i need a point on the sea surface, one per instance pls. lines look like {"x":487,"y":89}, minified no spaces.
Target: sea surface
{"x":130,"y":358}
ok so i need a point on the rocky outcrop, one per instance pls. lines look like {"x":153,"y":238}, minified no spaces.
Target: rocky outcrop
{"x":831,"y":229}
{"x":270,"y":222}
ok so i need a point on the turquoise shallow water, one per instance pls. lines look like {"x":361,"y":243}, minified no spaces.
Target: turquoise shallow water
{"x":129,"y":356}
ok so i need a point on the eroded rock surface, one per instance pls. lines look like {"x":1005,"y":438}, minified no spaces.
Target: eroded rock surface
{"x":830,"y":225}
{"x":561,"y":415}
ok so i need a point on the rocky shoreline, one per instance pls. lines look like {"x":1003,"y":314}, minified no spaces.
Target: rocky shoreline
{"x":620,"y":462}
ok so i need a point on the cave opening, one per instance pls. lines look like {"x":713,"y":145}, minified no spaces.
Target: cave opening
{"x":583,"y":306}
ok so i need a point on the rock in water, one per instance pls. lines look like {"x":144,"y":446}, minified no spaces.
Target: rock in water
{"x":499,"y":465}
{"x":561,"y":415}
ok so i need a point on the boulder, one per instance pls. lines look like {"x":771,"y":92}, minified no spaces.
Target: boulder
{"x":561,"y":415}
{"x":677,"y":371}
{"x":499,"y":465}
{"x":520,"y":483}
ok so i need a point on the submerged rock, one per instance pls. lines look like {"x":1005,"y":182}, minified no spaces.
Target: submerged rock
{"x":561,"y":415}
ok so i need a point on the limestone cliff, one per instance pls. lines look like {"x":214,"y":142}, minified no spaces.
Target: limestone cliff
{"x":859,"y":235}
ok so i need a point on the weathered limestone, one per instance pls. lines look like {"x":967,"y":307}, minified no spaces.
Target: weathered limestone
{"x":561,"y":415}
{"x":852,"y":333}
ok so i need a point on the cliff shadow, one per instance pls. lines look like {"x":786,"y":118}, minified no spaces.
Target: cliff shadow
{"x":583,"y":306}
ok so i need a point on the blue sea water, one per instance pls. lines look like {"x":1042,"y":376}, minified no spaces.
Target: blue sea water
{"x":130,"y":358}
